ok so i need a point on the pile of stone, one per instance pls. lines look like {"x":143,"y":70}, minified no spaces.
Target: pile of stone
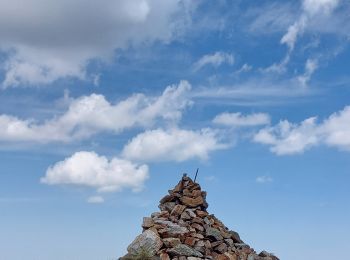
{"x":183,"y":229}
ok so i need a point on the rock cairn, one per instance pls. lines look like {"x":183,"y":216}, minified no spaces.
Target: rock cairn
{"x":183,"y":229}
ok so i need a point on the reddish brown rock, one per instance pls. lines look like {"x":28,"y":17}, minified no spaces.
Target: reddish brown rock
{"x":190,"y":241}
{"x":147,"y":222}
{"x":192,"y":202}
{"x":177,"y":210}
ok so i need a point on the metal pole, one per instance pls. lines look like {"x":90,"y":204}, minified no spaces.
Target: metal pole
{"x":195,"y":178}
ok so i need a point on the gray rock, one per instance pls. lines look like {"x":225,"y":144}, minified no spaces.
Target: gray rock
{"x":214,"y":234}
{"x":171,"y":229}
{"x":171,"y":242}
{"x":183,"y":250}
{"x":193,"y":258}
{"x":148,"y":242}
{"x":168,"y":206}
{"x":235,"y":237}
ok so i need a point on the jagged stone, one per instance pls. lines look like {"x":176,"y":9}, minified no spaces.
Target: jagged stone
{"x":147,"y":222}
{"x":164,"y":256}
{"x":171,"y":242}
{"x":235,"y":237}
{"x":177,"y":210}
{"x":167,"y":206}
{"x":148,"y":241}
{"x":222,"y":248}
{"x":213,"y":233}
{"x":184,"y":250}
{"x":192,"y":202}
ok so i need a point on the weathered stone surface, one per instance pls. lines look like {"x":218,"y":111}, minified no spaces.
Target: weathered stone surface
{"x":184,"y":250}
{"x":148,"y":241}
{"x":221,"y":257}
{"x":214,"y":234}
{"x":167,"y":198}
{"x":193,"y":258}
{"x":231,"y":256}
{"x":197,"y":226}
{"x":235,"y":237}
{"x":177,"y":210}
{"x":192,"y":202}
{"x":191,"y":213}
{"x":147,"y":222}
{"x":222,"y":248}
{"x":201,"y":213}
{"x":167,"y":206}
{"x":171,"y":242}
{"x":268,"y":255}
{"x":164,"y":256}
{"x":190,"y":241}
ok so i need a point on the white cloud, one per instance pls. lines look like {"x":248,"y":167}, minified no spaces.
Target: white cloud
{"x":310,"y":67}
{"x":261,"y":91}
{"x":173,"y":145}
{"x":93,"y":114}
{"x":245,"y":68}
{"x":337,"y":129}
{"x":264,"y":179}
{"x":288,"y":138}
{"x":216,"y":59}
{"x":239,"y":120}
{"x":293,"y":32}
{"x":311,"y":9}
{"x":47,"y":40}
{"x":317,"y":6}
{"x":95,"y":199}
{"x":91,"y":170}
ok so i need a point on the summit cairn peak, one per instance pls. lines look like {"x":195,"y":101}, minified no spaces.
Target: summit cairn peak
{"x":183,"y":229}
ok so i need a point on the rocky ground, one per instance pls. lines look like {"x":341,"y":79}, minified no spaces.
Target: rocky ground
{"x":183,"y":229}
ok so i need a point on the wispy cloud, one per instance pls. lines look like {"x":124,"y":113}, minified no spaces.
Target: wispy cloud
{"x":260,"y":91}
{"x":216,"y":59}
{"x":95,"y":200}
{"x":239,"y":120}
{"x":310,"y":67}
{"x":264,"y":179}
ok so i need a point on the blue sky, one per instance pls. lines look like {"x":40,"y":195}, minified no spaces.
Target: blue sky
{"x":104,"y":105}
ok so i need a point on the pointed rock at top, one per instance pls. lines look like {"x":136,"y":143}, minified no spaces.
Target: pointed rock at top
{"x":184,"y":230}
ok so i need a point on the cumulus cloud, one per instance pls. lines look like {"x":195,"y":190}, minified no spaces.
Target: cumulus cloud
{"x":91,"y":170}
{"x":173,"y":145}
{"x":288,"y":138}
{"x":89,"y":115}
{"x":47,"y":40}
{"x":239,"y":120}
{"x":216,"y":59}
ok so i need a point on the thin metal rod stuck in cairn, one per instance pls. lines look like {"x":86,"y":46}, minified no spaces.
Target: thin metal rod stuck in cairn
{"x":195,"y":177}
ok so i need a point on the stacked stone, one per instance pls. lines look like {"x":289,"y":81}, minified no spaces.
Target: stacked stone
{"x":183,"y":229}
